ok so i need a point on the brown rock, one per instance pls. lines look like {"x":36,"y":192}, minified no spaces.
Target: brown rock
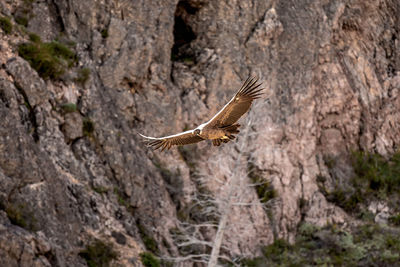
{"x":72,"y":127}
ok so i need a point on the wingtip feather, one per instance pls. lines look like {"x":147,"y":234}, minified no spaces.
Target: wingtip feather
{"x":245,"y":86}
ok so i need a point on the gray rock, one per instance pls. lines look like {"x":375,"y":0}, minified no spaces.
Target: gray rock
{"x":119,"y":237}
{"x":27,"y":80}
{"x":72,"y":127}
{"x":43,"y":22}
{"x":22,"y":248}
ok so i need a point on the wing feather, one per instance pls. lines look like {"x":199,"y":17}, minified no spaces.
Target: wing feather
{"x":238,"y":105}
{"x":167,"y":142}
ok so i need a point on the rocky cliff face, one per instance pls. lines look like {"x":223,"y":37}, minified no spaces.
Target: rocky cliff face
{"x":77,"y":180}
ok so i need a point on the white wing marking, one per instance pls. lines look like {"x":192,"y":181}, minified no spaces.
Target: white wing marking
{"x":204,"y":124}
{"x":165,"y":137}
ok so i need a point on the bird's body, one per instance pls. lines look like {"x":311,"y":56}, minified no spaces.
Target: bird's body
{"x":220,"y":128}
{"x":211,"y":133}
{"x":217,"y":135}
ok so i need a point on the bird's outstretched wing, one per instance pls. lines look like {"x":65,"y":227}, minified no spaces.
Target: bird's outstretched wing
{"x":179,"y":139}
{"x":238,"y":105}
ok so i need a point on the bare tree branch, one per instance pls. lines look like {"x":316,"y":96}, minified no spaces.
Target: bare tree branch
{"x":235,"y":179}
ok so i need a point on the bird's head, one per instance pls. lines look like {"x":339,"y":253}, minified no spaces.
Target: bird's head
{"x":197,"y":131}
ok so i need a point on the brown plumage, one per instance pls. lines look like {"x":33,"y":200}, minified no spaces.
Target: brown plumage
{"x":220,"y":128}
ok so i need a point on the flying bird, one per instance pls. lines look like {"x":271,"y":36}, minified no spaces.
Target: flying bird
{"x":220,"y":128}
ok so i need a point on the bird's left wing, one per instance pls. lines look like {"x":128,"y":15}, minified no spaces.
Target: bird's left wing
{"x":238,"y":105}
{"x":179,"y":139}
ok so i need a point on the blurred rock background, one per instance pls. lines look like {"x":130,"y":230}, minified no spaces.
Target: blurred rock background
{"x":79,"y":79}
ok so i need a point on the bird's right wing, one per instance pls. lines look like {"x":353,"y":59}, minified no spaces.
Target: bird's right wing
{"x":238,"y":105}
{"x":179,"y":139}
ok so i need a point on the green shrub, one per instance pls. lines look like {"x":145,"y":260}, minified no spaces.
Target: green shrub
{"x":100,"y":189}
{"x":186,"y":58}
{"x":277,"y":250}
{"x":21,"y":216}
{"x":189,"y":60}
{"x":14,"y":214}
{"x":50,"y":60}
{"x":149,"y":260}
{"x":62,"y":51}
{"x":6,"y":25}
{"x":34,"y":37}
{"x":22,"y":20}
{"x":104,"y":33}
{"x":346,"y":198}
{"x":120,"y":197}
{"x":392,"y":242}
{"x":149,"y":242}
{"x":98,"y":253}
{"x":308,"y":230}
{"x":264,"y":189}
{"x":375,"y":178}
{"x":379,"y":173}
{"x":365,"y":245}
{"x":395,"y":219}
{"x":83,"y":76}
{"x":88,"y":127}
{"x":255,"y":262}
{"x":69,"y":107}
